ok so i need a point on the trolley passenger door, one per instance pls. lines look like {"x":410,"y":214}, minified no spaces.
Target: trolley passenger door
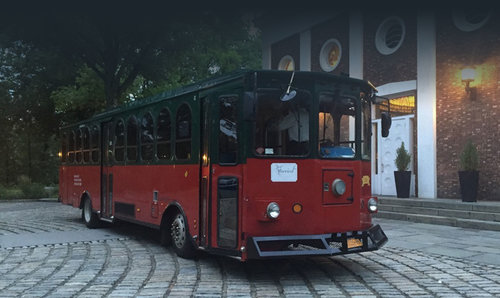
{"x":220,"y":173}
{"x":226,"y":173}
{"x":205,"y":176}
{"x":106,"y":170}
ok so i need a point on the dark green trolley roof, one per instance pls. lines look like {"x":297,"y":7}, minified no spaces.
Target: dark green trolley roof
{"x":211,"y":83}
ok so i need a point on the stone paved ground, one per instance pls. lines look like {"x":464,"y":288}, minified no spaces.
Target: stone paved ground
{"x":126,"y":261}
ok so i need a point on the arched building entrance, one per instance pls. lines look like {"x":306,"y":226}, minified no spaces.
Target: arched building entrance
{"x":402,"y":105}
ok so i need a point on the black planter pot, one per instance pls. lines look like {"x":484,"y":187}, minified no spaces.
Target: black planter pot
{"x":402,"y":179}
{"x":469,"y":182}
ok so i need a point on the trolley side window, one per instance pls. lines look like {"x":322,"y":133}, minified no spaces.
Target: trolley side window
{"x":132,"y":139}
{"x":78,"y":147}
{"x":64,"y":147}
{"x":183,"y":132}
{"x":164,"y":135}
{"x":94,"y":138}
{"x":228,"y":137}
{"x":71,"y":147}
{"x":119,"y":141}
{"x":86,"y":144}
{"x":147,"y":137}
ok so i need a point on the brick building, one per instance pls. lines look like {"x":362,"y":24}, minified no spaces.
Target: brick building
{"x":416,"y":59}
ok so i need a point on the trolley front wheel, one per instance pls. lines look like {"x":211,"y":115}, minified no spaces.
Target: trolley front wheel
{"x":181,"y":242}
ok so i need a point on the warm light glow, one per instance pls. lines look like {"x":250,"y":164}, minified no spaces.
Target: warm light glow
{"x":59,"y":154}
{"x":468,"y":74}
{"x":405,"y":101}
{"x":289,"y":65}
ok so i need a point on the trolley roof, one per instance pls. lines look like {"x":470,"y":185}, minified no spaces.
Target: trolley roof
{"x":211,"y":83}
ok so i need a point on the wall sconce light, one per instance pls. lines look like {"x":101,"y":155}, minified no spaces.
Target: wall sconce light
{"x":468,"y":76}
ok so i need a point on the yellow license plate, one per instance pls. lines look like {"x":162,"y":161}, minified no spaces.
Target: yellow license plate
{"x":353,"y":242}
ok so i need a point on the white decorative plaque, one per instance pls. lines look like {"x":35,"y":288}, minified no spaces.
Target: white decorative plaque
{"x":284,"y":172}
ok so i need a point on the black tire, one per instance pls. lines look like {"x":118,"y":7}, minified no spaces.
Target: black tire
{"x":181,"y":240}
{"x":165,"y":237}
{"x":89,"y":217}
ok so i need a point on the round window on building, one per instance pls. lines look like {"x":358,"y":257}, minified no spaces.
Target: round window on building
{"x":286,"y":63}
{"x":470,"y":20}
{"x":390,"y":35}
{"x":330,"y":54}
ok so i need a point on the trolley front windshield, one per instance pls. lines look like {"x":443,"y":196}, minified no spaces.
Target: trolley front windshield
{"x":333,"y":122}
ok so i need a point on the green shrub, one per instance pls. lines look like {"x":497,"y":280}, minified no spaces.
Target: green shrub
{"x":33,"y":191}
{"x":403,"y":158}
{"x":469,"y":159}
{"x":10,"y":193}
{"x":52,"y":191}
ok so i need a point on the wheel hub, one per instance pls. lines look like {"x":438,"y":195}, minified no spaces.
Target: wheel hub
{"x":178,"y":231}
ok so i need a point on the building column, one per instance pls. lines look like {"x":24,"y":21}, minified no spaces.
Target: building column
{"x":266,"y":55}
{"x":355,"y":55}
{"x":356,"y":45}
{"x":426,"y":105}
{"x":305,"y":51}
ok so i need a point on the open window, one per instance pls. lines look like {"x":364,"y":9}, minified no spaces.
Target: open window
{"x":337,"y":125}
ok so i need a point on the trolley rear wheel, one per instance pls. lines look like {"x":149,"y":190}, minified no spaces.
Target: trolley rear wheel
{"x":89,"y":217}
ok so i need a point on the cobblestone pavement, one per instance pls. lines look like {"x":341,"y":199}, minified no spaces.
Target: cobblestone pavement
{"x":126,"y":260}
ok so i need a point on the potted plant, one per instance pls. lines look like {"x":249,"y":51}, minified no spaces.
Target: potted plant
{"x":402,"y":176}
{"x":469,"y":174}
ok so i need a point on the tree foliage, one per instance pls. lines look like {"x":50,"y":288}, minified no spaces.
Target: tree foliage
{"x":403,"y":158}
{"x":469,"y":158}
{"x":61,"y":65}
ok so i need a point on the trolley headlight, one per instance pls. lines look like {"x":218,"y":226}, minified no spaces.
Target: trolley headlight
{"x":338,"y":187}
{"x":372,"y":205}
{"x":273,"y":210}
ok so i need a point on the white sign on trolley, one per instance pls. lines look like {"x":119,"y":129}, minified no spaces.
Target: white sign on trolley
{"x":284,"y":172}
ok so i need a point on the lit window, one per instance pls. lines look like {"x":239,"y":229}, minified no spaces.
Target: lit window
{"x":286,"y":63}
{"x":330,"y":55}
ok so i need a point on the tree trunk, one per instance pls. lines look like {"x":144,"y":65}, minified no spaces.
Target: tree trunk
{"x":112,"y":93}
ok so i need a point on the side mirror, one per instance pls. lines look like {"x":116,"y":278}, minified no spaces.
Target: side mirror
{"x":386,"y":123}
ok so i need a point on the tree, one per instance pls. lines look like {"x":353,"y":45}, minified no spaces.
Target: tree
{"x":139,"y":43}
{"x":60,"y":65}
{"x":28,"y":123}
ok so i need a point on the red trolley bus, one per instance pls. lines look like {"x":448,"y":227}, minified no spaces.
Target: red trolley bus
{"x":256,"y":164}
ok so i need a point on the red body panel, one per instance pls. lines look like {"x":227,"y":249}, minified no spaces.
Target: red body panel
{"x":316,"y":217}
{"x":322,"y":212}
{"x":135,"y":185}
{"x":76,"y":180}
